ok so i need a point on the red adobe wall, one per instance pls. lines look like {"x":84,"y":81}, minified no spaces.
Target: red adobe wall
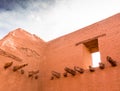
{"x":29,"y":52}
{"x":63,"y":52}
{"x":55,"y":55}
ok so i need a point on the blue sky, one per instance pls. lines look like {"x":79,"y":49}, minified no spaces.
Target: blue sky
{"x":50,"y":19}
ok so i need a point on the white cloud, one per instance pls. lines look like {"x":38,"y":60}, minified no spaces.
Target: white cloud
{"x":49,"y":21}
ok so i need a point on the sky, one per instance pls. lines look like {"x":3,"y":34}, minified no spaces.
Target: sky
{"x":50,"y":19}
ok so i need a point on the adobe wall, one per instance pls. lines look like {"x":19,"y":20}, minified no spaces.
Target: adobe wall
{"x":63,"y":52}
{"x":26,"y":51}
{"x":66,"y":51}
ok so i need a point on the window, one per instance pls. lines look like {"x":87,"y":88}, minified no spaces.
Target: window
{"x":95,"y":59}
{"x":92,"y":47}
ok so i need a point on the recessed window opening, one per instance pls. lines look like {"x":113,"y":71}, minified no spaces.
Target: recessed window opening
{"x":92,"y":47}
